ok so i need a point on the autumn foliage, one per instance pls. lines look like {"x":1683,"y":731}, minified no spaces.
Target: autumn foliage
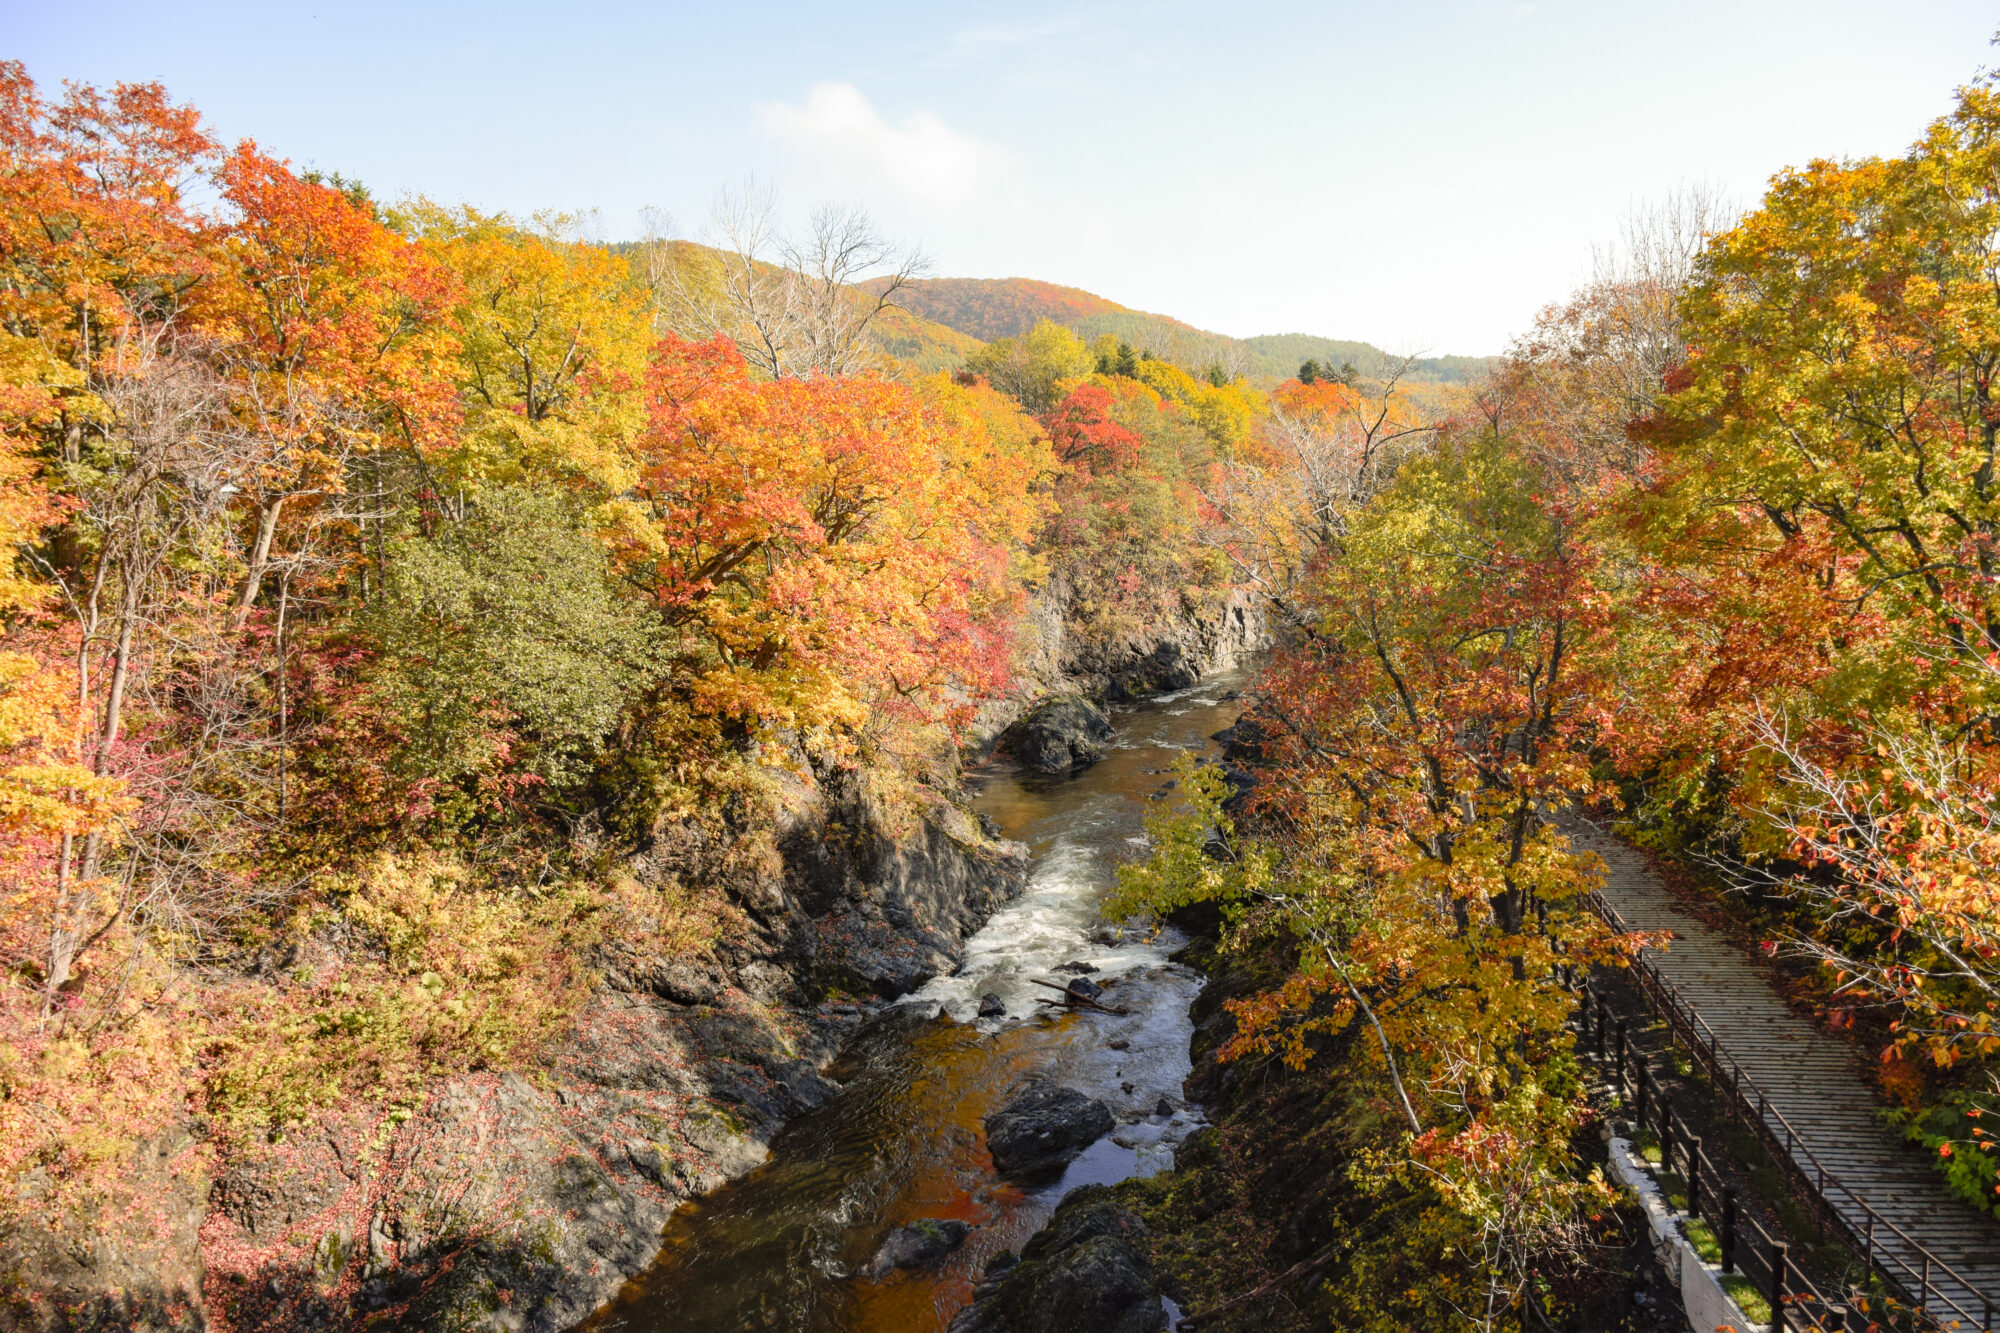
{"x":1710,"y":554}
{"x":359,"y":556}
{"x":376,"y":572}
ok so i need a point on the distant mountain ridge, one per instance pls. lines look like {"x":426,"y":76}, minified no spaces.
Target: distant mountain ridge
{"x":989,"y":308}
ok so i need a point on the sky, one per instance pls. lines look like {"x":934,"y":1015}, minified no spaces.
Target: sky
{"x":1424,"y":176}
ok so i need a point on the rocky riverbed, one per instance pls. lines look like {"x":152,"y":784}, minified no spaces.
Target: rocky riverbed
{"x":815,"y":1238}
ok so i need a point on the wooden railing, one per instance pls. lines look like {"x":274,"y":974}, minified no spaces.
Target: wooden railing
{"x":1912,"y":1272}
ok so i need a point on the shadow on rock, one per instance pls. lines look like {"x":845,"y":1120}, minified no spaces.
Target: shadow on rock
{"x":1082,"y":1273}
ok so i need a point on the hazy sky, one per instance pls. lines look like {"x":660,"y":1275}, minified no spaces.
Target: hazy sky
{"x":1419,"y":175}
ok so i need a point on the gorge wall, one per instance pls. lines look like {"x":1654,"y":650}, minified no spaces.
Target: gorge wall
{"x":523,"y":1200}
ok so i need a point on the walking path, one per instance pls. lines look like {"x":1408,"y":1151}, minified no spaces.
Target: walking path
{"x":1812,"y":1080}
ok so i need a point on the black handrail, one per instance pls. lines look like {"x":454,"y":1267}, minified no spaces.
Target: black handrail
{"x":1917,"y":1285}
{"x":1769,"y":1269}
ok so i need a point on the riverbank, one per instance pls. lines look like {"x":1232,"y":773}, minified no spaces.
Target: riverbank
{"x":785,"y":1248}
{"x":525,"y":1199}
{"x":1283,"y":1212}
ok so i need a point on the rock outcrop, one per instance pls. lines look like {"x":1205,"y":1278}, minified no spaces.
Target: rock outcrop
{"x":1064,"y":651}
{"x":1044,"y":1128}
{"x":919,"y":1243}
{"x":523,"y":1201}
{"x":1085,"y":1272}
{"x":1058,"y":734}
{"x":137,"y":1268}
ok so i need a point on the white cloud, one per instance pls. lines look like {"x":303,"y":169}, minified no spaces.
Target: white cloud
{"x":982,"y":40}
{"x":920,"y":160}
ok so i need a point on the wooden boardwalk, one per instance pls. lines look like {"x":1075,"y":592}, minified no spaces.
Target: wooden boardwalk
{"x":1811,"y":1080}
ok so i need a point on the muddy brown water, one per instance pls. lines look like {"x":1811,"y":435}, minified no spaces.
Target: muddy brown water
{"x":787,"y":1247}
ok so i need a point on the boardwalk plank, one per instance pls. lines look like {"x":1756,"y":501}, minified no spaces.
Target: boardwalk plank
{"x":1811,"y":1080}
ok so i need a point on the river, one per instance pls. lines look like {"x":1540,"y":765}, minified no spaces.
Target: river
{"x":787,"y":1247}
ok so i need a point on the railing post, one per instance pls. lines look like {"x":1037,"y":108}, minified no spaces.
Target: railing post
{"x":1835,"y":1319}
{"x":1666,"y":1133}
{"x":1729,"y":1228}
{"x":1620,"y":1046}
{"x":1694,"y":1175}
{"x":1597,"y":1029}
{"x":1986,"y":1320}
{"x":1868,"y":1260}
{"x":1779,"y":1252}
{"x":1640,"y":1080}
{"x":1924,"y":1296}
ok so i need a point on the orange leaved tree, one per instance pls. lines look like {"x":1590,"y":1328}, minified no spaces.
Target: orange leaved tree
{"x":827,"y":548}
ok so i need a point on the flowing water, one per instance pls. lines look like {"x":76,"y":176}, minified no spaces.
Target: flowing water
{"x":787,"y":1247}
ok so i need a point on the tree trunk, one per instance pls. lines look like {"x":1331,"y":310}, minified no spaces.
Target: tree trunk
{"x":62,"y":935}
{"x":114,"y":713}
{"x":260,"y":557}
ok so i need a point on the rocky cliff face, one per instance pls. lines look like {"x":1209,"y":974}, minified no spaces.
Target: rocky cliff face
{"x":137,"y":1268}
{"x":1065,"y":650}
{"x":523,"y":1200}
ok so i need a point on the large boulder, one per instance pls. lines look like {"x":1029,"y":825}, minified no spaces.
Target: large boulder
{"x":1044,"y":1128}
{"x":1085,"y":1272}
{"x":913,"y":1246}
{"x":1059,"y":734}
{"x":1170,"y":666}
{"x":1084,"y":988}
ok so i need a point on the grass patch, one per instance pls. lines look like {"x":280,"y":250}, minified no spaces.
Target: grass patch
{"x":1702,"y":1236}
{"x":1748,"y":1299}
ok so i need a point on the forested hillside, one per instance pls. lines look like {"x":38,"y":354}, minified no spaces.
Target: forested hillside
{"x":989,"y":308}
{"x":993,"y":308}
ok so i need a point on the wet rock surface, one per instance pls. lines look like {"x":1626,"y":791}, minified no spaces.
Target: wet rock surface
{"x":919,"y":1243}
{"x":1043,"y":1128}
{"x":1085,"y":1272}
{"x":1059,"y":735}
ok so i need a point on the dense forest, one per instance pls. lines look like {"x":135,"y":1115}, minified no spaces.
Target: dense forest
{"x":990,"y":309}
{"x":413,"y":612}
